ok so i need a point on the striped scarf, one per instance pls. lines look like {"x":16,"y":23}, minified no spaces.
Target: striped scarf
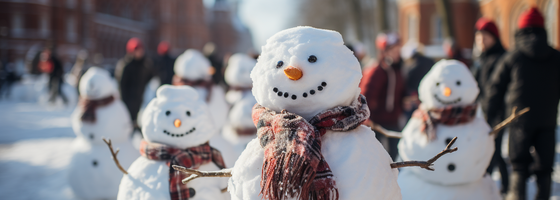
{"x":293,"y":165}
{"x":450,"y":115}
{"x":192,"y":157}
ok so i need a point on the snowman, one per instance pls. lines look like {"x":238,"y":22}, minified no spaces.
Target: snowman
{"x":240,"y":130}
{"x":311,"y":144}
{"x":177,"y":126}
{"x":100,"y":113}
{"x":238,"y":77}
{"x":448,"y":109}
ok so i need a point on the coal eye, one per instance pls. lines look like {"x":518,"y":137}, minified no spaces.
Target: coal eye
{"x":312,"y":59}
{"x":437,"y":84}
{"x":189,"y":113}
{"x":167,"y":113}
{"x":458,"y":82}
{"x":279,"y":64}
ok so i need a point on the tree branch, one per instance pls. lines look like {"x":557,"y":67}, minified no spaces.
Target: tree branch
{"x":197,"y":174}
{"x":114,"y":153}
{"x":427,"y":164}
{"x":390,"y":134}
{"x":509,"y":120}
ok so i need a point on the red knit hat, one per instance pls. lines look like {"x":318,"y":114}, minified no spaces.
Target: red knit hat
{"x":485,"y":24}
{"x":531,"y":18}
{"x":133,"y":44}
{"x":163,"y":48}
{"x":384,"y":41}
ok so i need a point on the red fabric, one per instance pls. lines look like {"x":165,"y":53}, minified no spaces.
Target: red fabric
{"x":163,"y":48}
{"x":448,"y":116}
{"x":192,"y":158}
{"x":384,"y":41}
{"x":133,"y":44}
{"x":485,"y":24}
{"x":293,"y":165}
{"x":198,"y":83}
{"x":531,"y":18}
{"x":374,"y":86}
{"x":90,"y":106}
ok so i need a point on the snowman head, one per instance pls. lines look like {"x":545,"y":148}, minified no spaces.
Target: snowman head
{"x":306,"y":70}
{"x":239,"y":69}
{"x":240,"y":113}
{"x":192,"y":65}
{"x":96,"y":84}
{"x":177,"y":117}
{"x":448,"y":83}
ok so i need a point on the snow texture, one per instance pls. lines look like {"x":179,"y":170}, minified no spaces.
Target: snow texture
{"x":192,"y":65}
{"x":238,"y":71}
{"x":240,"y":118}
{"x":96,"y":84}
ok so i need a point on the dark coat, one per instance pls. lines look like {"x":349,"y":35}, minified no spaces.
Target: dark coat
{"x":528,"y":76}
{"x":418,"y":66}
{"x":164,"y":67}
{"x":133,"y":75}
{"x":486,"y":63}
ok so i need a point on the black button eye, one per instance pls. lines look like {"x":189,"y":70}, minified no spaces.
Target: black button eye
{"x":168,"y":113}
{"x":458,"y":82}
{"x":189,"y":113}
{"x":437,"y":84}
{"x":312,"y":59}
{"x":279,"y":64}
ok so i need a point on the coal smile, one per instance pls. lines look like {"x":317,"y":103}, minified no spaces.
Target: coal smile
{"x":447,"y":102}
{"x":179,"y":135}
{"x":280,"y":93}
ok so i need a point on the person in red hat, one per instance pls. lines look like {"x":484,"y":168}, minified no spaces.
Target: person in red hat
{"x":133,"y":72}
{"x":528,"y":77}
{"x":487,"y":42}
{"x":384,"y":88}
{"x":165,"y":63}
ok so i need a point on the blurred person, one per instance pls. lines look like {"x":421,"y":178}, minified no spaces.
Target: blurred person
{"x":384,"y":88}
{"x":209,"y":51}
{"x":48,"y":63}
{"x":133,"y":72}
{"x":9,"y":76}
{"x":528,"y":76}
{"x":165,"y":63}
{"x":487,"y":42}
{"x":453,"y":51}
{"x":416,"y":66}
{"x":80,"y":66}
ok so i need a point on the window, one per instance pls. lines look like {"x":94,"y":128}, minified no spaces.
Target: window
{"x":437,"y":29}
{"x":551,"y":20}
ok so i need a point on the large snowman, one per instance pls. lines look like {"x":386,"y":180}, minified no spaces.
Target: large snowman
{"x":238,"y":77}
{"x":448,"y":109}
{"x":100,"y":113}
{"x":177,"y":126}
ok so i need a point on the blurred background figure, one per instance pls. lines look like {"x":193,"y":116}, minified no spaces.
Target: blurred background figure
{"x":487,"y":42}
{"x":164,"y":63}
{"x":415,"y":66}
{"x":49,"y":64}
{"x":80,"y":67}
{"x":133,"y":72}
{"x":529,"y":76}
{"x":384,"y":88}
{"x":8,"y":76}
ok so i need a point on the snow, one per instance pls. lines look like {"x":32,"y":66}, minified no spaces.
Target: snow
{"x":97,"y":83}
{"x":238,"y":71}
{"x":192,"y":65}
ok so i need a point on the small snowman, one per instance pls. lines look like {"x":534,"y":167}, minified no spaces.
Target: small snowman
{"x":310,"y":144}
{"x":238,"y":77}
{"x":100,"y":113}
{"x":240,"y":130}
{"x":448,"y":109}
{"x":177,"y":126}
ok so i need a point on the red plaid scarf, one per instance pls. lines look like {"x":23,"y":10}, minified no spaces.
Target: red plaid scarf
{"x":198,"y":83}
{"x":293,"y":165}
{"x":89,"y":107}
{"x":192,"y":157}
{"x":448,"y":116}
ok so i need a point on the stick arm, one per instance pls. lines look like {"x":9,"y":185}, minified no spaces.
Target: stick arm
{"x":114,"y":154}
{"x":390,"y":134}
{"x":427,"y":164}
{"x":197,"y":174}
{"x":514,"y":115}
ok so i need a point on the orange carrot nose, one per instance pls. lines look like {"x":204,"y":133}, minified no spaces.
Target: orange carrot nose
{"x":177,"y":123}
{"x":447,"y":91}
{"x":293,"y":73}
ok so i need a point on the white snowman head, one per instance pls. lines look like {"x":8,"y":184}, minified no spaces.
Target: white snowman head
{"x":96,"y":84}
{"x":448,"y":83}
{"x":177,"y":117}
{"x":240,"y":113}
{"x":192,"y":65}
{"x":306,"y":70}
{"x":238,"y":72}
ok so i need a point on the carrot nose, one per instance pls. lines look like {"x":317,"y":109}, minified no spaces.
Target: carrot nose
{"x":293,"y":73}
{"x":447,"y":91}
{"x":177,"y":123}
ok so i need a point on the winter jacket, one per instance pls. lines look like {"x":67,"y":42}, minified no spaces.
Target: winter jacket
{"x":133,"y":75}
{"x":529,"y":76}
{"x":380,"y":84}
{"x":486,"y":63}
{"x":418,"y":66}
{"x":165,"y":69}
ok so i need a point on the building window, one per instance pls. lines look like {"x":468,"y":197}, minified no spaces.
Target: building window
{"x":44,"y":24}
{"x":17,"y":25}
{"x":551,"y":19}
{"x":437,"y":29}
{"x":71,"y":29}
{"x":412,"y":27}
{"x":70,"y":4}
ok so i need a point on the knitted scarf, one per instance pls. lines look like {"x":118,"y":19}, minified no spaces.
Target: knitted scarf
{"x":450,"y":115}
{"x":293,"y":165}
{"x":90,"y":106}
{"x":207,"y":84}
{"x":192,"y":157}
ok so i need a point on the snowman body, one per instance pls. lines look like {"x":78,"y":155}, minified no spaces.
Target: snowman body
{"x":238,"y":77}
{"x":240,"y":129}
{"x":306,"y":71}
{"x":92,"y":171}
{"x":461,"y":176}
{"x":149,"y":179}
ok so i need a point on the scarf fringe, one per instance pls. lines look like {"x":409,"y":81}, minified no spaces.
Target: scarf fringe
{"x":287,"y":176}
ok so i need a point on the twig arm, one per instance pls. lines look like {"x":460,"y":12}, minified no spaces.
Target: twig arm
{"x":514,"y":115}
{"x":114,"y":154}
{"x":390,"y":134}
{"x":427,"y":164}
{"x":197,"y":174}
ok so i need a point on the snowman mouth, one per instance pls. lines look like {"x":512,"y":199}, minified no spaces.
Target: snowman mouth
{"x":179,"y":134}
{"x":447,"y":102}
{"x":281,"y":93}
